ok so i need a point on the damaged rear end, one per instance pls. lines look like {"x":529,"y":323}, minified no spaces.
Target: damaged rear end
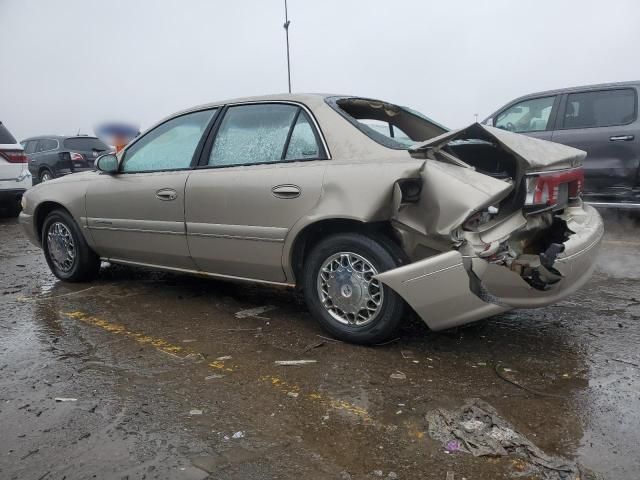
{"x":506,"y":211}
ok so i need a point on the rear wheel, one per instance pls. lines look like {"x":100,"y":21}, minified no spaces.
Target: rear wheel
{"x":46,"y":175}
{"x":342,"y":293}
{"x":67,"y":253}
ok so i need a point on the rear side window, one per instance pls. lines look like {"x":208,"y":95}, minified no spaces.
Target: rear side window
{"x":263,"y":133}
{"x":46,"y":144}
{"x":5,"y":135}
{"x":85,"y":144}
{"x":527,"y":116}
{"x":30,"y":146}
{"x":603,"y":108}
{"x":303,"y":142}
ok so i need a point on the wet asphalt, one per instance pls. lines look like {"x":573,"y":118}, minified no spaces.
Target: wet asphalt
{"x":175,"y":377}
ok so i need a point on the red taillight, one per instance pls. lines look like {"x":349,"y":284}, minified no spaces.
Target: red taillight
{"x":76,"y":157}
{"x":14,"y":156}
{"x":549,"y":189}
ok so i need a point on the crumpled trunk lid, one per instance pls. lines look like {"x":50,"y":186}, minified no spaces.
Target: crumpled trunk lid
{"x":531,"y":153}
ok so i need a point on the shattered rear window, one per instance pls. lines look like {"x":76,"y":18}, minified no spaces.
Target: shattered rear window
{"x":390,"y":125}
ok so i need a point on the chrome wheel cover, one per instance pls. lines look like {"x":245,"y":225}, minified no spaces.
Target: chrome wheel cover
{"x":62,"y":250}
{"x":46,"y":176}
{"x":347,"y":289}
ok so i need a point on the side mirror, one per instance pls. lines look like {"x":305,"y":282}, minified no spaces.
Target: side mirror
{"x":107,"y":163}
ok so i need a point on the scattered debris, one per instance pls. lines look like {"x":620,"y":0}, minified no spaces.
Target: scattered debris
{"x":450,"y":475}
{"x":330,"y":339}
{"x":378,"y":473}
{"x":523,"y":387}
{"x":408,"y":354}
{"x":294,"y":362}
{"x":625,"y":361}
{"x":189,"y":340}
{"x":293,"y":394}
{"x":86,"y":435}
{"x":255,"y":312}
{"x":29,"y":453}
{"x":194,"y":356}
{"x":65,"y":399}
{"x":214,"y":376}
{"x":398,"y":375}
{"x":392,"y":475}
{"x":195,"y":411}
{"x":226,"y":357}
{"x":477,"y":428}
{"x":237,"y":435}
{"x":313,"y":345}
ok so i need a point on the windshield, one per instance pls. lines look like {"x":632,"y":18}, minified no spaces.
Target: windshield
{"x":390,"y":125}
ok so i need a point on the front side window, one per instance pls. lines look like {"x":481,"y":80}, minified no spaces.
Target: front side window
{"x":528,"y":116}
{"x":603,"y":108}
{"x":169,"y":146}
{"x":252,"y":134}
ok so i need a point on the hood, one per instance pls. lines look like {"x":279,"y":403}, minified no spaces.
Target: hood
{"x":533,"y":153}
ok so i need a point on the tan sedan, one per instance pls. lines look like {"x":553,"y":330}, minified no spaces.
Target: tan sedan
{"x":368,"y":207}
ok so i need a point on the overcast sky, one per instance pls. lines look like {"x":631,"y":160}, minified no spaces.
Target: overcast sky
{"x":69,"y":64}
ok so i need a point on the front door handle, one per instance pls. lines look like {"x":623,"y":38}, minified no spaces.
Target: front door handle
{"x":286,"y":191}
{"x":166,"y":194}
{"x":622,"y":138}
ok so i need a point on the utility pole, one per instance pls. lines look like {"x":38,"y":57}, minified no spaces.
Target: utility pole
{"x":286,"y":29}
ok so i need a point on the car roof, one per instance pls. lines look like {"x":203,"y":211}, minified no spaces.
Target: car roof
{"x":597,"y":86}
{"x":304,"y":98}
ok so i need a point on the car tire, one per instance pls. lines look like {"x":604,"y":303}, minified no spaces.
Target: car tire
{"x":45,"y":175}
{"x":14,"y":209}
{"x":336,"y":274}
{"x":66,"y":250}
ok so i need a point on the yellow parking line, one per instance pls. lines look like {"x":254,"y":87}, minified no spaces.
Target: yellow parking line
{"x":183,"y":352}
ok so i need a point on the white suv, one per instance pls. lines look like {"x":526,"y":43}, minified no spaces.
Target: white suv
{"x":14,"y":172}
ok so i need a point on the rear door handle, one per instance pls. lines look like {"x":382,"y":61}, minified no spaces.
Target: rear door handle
{"x":166,"y":194}
{"x":286,"y":191}
{"x":622,"y":138}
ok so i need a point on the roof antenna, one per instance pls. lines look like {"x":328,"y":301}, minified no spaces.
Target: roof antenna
{"x":78,"y":133}
{"x":286,"y":29}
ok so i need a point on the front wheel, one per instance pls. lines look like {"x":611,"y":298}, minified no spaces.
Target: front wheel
{"x":342,"y":294}
{"x":65,"y":249}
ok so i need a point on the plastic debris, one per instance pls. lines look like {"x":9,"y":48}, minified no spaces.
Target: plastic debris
{"x":293,"y":394}
{"x":378,"y":473}
{"x":214,"y":376}
{"x":65,"y":399}
{"x":255,"y":312}
{"x":476,"y":428}
{"x":294,"y":362}
{"x":453,"y":446}
{"x":398,"y":375}
{"x":226,"y":357}
{"x":392,"y":475}
{"x":195,"y":411}
{"x":237,"y":435}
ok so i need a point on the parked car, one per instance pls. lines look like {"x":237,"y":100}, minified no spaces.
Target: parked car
{"x":298,"y":190}
{"x":54,"y":156}
{"x":602,"y":120}
{"x":14,"y":174}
